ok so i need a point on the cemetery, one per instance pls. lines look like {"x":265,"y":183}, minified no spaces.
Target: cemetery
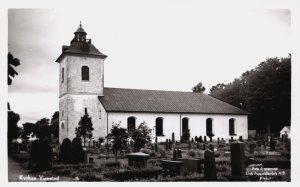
{"x":256,"y":159}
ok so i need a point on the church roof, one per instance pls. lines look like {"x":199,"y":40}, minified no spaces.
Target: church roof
{"x":137,"y":100}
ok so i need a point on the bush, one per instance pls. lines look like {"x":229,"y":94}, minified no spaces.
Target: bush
{"x":40,"y":154}
{"x":77,"y":151}
{"x":133,"y":174}
{"x":66,"y":151}
{"x":112,"y":164}
{"x":89,"y":177}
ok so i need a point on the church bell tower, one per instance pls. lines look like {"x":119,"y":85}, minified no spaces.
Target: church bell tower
{"x":81,"y":81}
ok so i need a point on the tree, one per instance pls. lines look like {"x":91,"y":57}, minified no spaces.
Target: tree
{"x":85,"y":128}
{"x":40,"y":154}
{"x":141,"y":136}
{"x":199,"y":88}
{"x":66,"y":151}
{"x":77,"y":151}
{"x":54,"y":124}
{"x":119,"y":138}
{"x":264,"y":91}
{"x":13,"y":131}
{"x":28,"y":129}
{"x":42,"y":129}
{"x":11,"y":72}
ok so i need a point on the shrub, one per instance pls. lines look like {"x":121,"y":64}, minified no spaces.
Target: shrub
{"x":66,"y":151}
{"x":133,"y":174}
{"x":89,"y":177}
{"x":77,"y":151}
{"x":112,"y":164}
{"x":40,"y":154}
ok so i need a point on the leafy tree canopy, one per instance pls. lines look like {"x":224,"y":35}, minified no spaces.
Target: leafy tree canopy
{"x":264,"y":91}
{"x":85,"y":128}
{"x":141,"y":136}
{"x":199,"y":88}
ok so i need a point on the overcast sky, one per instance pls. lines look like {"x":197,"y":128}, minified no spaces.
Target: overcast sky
{"x":165,"y":46}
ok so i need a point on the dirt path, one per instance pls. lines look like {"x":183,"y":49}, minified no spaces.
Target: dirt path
{"x":15,"y":170}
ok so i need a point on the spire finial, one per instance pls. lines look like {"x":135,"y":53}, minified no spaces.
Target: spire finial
{"x":80,"y":24}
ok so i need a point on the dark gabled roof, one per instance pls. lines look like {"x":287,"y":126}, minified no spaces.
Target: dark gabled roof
{"x":78,"y":48}
{"x":134,"y":100}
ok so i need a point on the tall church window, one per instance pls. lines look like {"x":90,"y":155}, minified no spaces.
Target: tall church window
{"x":209,"y":127}
{"x":231,"y":127}
{"x":85,"y":73}
{"x":159,"y":126}
{"x":62,"y":125}
{"x":62,"y":74}
{"x":131,"y":124}
{"x":185,"y":125}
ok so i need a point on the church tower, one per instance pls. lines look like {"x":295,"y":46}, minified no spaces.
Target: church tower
{"x":81,"y":81}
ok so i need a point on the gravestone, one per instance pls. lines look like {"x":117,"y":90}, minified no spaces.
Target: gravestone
{"x":189,"y":146}
{"x":272,"y":145}
{"x":175,"y":154}
{"x":231,"y":139}
{"x":173,"y":137}
{"x":211,"y":147}
{"x":258,"y":143}
{"x":241,"y":138}
{"x":200,"y":139}
{"x":167,"y":145}
{"x":138,"y":159}
{"x":284,"y":138}
{"x":170,"y":144}
{"x":196,"y":139}
{"x":179,"y":153}
{"x":218,"y":139}
{"x":172,"y":168}
{"x":210,"y":172}
{"x":192,"y":140}
{"x":222,"y":140}
{"x":204,"y":139}
{"x":251,"y":148}
{"x":238,"y":160}
{"x":155,"y":147}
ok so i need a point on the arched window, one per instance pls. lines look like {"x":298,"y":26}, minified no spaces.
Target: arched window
{"x":231,"y":127}
{"x":62,"y":125}
{"x":185,"y":125}
{"x":131,"y":124}
{"x":209,"y":127}
{"x":62,"y":74}
{"x":159,"y":126}
{"x":85,"y":73}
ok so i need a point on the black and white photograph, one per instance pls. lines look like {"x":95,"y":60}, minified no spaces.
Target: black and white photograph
{"x":149,"y":91}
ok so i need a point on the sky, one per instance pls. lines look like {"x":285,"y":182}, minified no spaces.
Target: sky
{"x":161,"y":46}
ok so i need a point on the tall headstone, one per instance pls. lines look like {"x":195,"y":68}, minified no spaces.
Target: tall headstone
{"x":218,"y":140}
{"x":272,"y":145}
{"x":200,"y":139}
{"x":173,"y":137}
{"x":241,"y":138}
{"x":231,"y":139}
{"x":192,"y":140}
{"x":155,"y":145}
{"x":167,"y":145}
{"x":189,"y":146}
{"x":251,"y":148}
{"x":179,"y":153}
{"x":175,"y":154}
{"x":238,"y":160}
{"x":204,"y":139}
{"x":210,"y":172}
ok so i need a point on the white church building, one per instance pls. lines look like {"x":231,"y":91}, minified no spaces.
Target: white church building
{"x":81,"y":89}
